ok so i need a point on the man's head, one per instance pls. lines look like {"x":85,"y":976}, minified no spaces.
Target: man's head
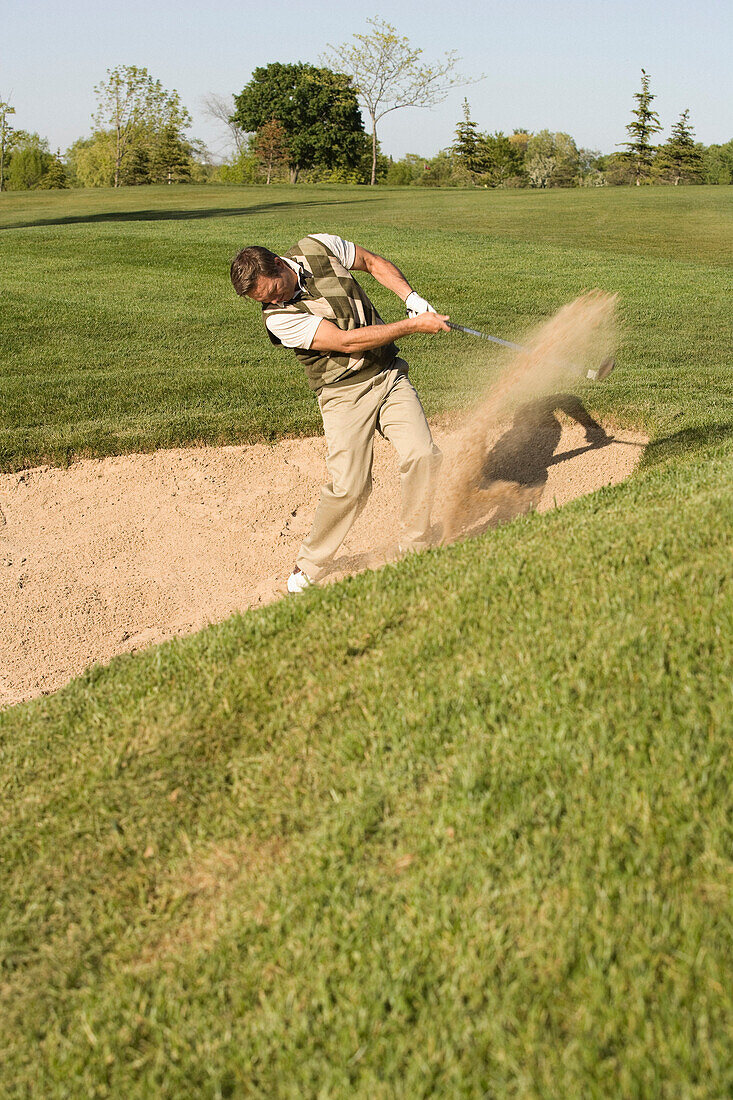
{"x":259,"y":274}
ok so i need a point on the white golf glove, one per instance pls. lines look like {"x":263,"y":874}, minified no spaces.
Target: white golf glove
{"x":414,"y":305}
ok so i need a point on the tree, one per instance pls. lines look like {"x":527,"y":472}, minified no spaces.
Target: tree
{"x":552,"y":159}
{"x":498,"y":158}
{"x":680,"y":158}
{"x":135,"y":171}
{"x":136,"y":108}
{"x":717,"y":163}
{"x":640,"y":151}
{"x":221,"y":108}
{"x":170,"y":161}
{"x":520,"y":140}
{"x":317,"y":109}
{"x":31,"y":158}
{"x":54,"y":178}
{"x":271,"y":147}
{"x":465,"y":147}
{"x":91,"y":161}
{"x":388,"y":75}
{"x":7,"y":138}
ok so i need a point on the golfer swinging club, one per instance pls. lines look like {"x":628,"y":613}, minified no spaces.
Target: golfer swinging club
{"x":313,"y":304}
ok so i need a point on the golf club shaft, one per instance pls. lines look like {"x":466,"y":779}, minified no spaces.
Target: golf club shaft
{"x":593,"y":375}
{"x":485,"y":336}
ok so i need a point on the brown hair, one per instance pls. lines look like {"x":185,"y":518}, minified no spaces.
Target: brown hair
{"x":251,"y":264}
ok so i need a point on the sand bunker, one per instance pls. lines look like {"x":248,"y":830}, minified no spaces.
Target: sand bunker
{"x":114,"y":554}
{"x":118,"y":553}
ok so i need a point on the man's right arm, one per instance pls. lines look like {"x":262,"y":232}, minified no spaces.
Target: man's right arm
{"x":330,"y":337}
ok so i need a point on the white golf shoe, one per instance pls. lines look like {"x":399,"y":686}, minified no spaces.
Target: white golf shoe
{"x":298,"y":581}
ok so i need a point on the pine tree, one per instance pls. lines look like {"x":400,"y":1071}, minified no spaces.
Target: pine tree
{"x":135,"y":170}
{"x":54,"y":178}
{"x":171,"y":159}
{"x":681,"y":157}
{"x":644,"y":123}
{"x":466,"y":145}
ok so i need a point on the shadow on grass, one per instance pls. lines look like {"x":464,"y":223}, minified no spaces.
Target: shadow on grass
{"x":179,"y":215}
{"x":695,"y":439}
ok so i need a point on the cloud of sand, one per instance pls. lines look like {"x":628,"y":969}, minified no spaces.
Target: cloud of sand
{"x":578,"y":338}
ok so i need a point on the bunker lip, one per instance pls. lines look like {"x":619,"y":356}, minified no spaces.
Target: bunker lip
{"x":115,"y":554}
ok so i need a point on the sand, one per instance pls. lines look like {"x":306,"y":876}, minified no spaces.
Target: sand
{"x":115,"y":554}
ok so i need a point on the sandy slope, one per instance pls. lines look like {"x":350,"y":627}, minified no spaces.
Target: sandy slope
{"x":114,"y":554}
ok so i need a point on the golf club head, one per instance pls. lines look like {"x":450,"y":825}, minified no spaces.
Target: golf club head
{"x":597,"y":374}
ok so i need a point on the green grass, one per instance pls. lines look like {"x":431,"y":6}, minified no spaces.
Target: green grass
{"x":119,"y":330}
{"x":458,"y":828}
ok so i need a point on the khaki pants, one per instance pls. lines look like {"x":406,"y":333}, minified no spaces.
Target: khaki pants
{"x":383,"y":401}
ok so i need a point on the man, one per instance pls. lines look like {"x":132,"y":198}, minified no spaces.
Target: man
{"x":313,"y":304}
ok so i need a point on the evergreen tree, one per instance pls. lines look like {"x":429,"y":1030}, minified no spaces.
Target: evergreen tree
{"x":680,"y":158}
{"x":54,"y":178}
{"x":465,"y":147}
{"x":135,"y":169}
{"x":644,"y":123}
{"x":171,"y":157}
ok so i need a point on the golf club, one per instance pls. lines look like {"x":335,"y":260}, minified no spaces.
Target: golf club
{"x":596,"y":374}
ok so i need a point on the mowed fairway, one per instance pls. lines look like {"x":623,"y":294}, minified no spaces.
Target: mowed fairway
{"x":461,"y":827}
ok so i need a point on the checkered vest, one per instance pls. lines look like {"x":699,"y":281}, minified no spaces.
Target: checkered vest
{"x":331,"y":292}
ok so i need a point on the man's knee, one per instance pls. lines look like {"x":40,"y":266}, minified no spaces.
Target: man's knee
{"x":354,"y":492}
{"x":422,"y":454}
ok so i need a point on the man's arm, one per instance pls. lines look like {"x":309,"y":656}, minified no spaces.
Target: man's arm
{"x":330,"y":337}
{"x":383,"y":271}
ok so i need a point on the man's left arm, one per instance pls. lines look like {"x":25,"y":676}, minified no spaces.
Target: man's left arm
{"x":390,"y":276}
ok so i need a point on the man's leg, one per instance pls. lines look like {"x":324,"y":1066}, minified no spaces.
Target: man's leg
{"x":350,"y":414}
{"x":402,"y":421}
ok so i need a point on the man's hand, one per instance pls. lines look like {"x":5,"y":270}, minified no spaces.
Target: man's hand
{"x":416,"y":305}
{"x":431,"y":322}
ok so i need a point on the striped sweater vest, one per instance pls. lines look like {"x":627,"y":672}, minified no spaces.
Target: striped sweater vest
{"x":333,"y":293}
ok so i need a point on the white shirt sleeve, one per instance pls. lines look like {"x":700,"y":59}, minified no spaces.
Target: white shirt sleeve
{"x":344,"y":251}
{"x":294,"y":330}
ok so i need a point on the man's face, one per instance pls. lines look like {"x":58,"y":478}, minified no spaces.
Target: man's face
{"x":277,"y":289}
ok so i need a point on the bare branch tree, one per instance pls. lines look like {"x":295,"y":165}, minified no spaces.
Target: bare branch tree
{"x":388,"y":76}
{"x":221,"y":108}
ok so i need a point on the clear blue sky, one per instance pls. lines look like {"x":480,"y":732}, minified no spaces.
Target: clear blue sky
{"x":570,"y":65}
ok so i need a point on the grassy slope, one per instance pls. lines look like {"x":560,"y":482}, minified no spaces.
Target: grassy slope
{"x":119,"y":330}
{"x":461,"y":827}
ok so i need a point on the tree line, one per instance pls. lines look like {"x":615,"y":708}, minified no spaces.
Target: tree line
{"x":303,"y":122}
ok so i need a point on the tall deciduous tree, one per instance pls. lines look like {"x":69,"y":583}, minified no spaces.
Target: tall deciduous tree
{"x":644,"y":124}
{"x":131,"y":103}
{"x":552,"y":159}
{"x":7,"y":138}
{"x":388,"y":74}
{"x":30,"y":161}
{"x":221,"y":109}
{"x":316,"y":107}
